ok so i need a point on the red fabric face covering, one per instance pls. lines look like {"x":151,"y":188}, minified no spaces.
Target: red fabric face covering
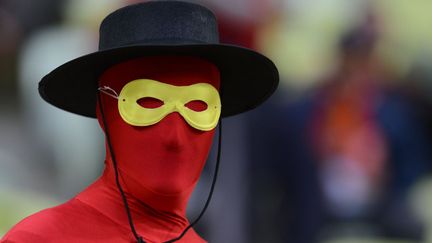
{"x":158,"y":167}
{"x":163,"y":160}
{"x":160,"y":164}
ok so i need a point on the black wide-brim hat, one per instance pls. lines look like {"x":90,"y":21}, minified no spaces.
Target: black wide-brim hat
{"x":162,"y":28}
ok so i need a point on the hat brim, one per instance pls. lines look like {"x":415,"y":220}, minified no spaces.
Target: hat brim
{"x":247,"y":77}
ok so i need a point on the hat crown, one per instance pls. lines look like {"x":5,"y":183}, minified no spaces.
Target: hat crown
{"x":159,"y":22}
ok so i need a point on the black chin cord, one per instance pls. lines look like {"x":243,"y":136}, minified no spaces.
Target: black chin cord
{"x":123,"y":196}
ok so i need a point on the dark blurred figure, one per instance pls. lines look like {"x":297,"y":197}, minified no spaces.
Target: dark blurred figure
{"x":417,"y":86}
{"x":345,"y":154}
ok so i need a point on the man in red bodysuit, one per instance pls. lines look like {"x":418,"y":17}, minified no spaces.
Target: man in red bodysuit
{"x":161,"y":89}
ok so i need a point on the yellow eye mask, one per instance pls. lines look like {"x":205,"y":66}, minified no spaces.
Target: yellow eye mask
{"x":174,"y":99}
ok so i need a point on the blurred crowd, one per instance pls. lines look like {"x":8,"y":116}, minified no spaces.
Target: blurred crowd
{"x":341,"y":152}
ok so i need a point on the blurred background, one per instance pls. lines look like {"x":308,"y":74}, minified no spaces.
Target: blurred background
{"x":341,"y":153}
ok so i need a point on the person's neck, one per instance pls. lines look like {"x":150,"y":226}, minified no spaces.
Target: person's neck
{"x":157,"y":218}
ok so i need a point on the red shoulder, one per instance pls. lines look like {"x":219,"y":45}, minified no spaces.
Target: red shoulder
{"x":38,"y":227}
{"x":70,"y":222}
{"x":18,"y":236}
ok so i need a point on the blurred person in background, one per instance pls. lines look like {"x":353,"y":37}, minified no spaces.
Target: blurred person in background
{"x":370,"y":146}
{"x":343,"y":158}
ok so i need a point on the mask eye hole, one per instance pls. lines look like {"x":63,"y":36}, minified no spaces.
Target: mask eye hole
{"x":196,"y":105}
{"x":150,"y":102}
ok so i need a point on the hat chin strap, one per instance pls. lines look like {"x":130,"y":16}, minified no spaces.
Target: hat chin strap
{"x":123,"y":196}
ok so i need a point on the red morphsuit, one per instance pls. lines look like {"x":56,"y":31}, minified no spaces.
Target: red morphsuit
{"x":158,"y":166}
